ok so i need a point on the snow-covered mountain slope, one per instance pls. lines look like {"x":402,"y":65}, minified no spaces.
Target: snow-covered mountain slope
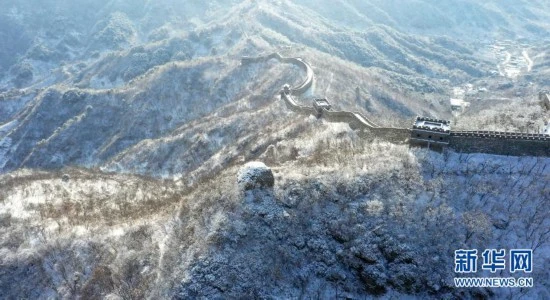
{"x":144,"y":89}
{"x":346,"y":217}
{"x":123,"y":125}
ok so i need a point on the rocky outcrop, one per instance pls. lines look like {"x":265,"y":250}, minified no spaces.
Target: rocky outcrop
{"x":255,"y":175}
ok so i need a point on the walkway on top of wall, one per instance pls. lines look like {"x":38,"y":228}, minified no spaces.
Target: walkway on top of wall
{"x":539,"y":142}
{"x":354,"y":118}
{"x":301,"y":88}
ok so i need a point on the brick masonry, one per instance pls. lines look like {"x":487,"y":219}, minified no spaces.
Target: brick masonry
{"x":502,"y":143}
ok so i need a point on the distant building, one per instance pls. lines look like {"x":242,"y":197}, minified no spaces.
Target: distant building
{"x":544,"y":98}
{"x":459,"y":104}
{"x":430,"y":132}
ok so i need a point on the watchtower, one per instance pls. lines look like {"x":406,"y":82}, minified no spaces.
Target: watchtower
{"x":430,"y":132}
{"x":320,"y":105}
{"x":286,"y":89}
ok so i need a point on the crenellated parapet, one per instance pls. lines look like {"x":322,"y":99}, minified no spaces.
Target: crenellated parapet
{"x":286,"y":96}
{"x":297,"y":90}
{"x":430,"y":132}
{"x":502,"y":135}
{"x":498,"y":142}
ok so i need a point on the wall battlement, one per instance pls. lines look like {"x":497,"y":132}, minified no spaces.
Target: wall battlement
{"x":427,"y":131}
{"x":499,"y":145}
{"x":502,"y":135}
{"x":499,"y":142}
{"x":301,"y":88}
{"x":424,"y":131}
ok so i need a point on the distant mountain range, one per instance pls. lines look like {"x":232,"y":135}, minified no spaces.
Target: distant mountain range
{"x":85,"y":88}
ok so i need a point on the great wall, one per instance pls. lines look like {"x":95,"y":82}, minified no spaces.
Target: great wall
{"x":428,"y":132}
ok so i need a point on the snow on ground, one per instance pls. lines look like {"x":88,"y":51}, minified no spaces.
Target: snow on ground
{"x":528,"y":60}
{"x":103,"y":82}
{"x":5,"y":142}
{"x":502,"y":190}
{"x":512,"y":60}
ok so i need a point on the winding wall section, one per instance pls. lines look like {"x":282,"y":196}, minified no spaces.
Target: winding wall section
{"x":503,"y":143}
{"x":301,"y":88}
